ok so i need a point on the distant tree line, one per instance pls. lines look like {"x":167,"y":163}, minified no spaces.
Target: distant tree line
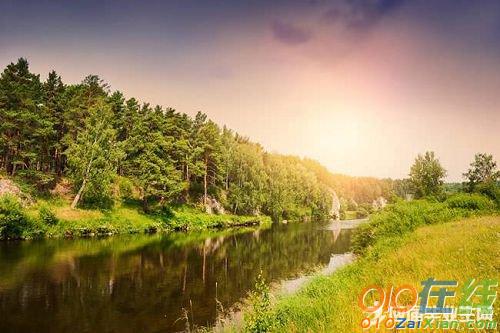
{"x":426,"y":178}
{"x":102,"y":140}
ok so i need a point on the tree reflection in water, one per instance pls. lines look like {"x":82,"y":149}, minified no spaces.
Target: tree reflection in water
{"x":142,"y":283}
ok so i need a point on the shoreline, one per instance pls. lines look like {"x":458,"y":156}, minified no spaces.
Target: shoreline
{"x":51,"y":221}
{"x":313,"y":302}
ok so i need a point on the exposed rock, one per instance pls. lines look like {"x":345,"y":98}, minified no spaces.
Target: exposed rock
{"x":214,"y":207}
{"x":408,"y":197}
{"x":63,"y":189}
{"x":379,"y":203}
{"x":335,"y":210}
{"x":8,"y":187}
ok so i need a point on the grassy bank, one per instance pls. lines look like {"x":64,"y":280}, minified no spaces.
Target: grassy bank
{"x":54,"y":218}
{"x":404,"y":244}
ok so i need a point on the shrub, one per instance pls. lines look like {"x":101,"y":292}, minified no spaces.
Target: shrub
{"x":104,"y":230}
{"x":491,"y":190}
{"x":47,"y":216}
{"x":361,"y":213}
{"x":367,"y":207}
{"x":470,"y":201}
{"x":90,"y":201}
{"x":13,"y":220}
{"x":125,"y":188}
{"x":42,"y":182}
{"x":259,"y":318}
{"x":403,"y":217}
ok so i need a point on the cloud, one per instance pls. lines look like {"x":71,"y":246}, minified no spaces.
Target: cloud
{"x":289,"y":34}
{"x":359,"y":14}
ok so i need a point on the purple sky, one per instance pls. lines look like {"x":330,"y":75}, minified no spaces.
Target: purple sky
{"x":361,"y":86}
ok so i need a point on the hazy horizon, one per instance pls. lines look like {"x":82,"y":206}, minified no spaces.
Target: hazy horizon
{"x":362,"y":87}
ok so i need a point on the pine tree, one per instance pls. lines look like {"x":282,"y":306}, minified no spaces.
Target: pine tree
{"x":22,"y":118}
{"x":148,"y":160}
{"x":208,"y":146}
{"x":54,"y":103}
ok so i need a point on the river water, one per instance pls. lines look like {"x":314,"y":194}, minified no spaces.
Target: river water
{"x":144,"y":283}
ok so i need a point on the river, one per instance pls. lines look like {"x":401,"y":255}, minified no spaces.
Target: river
{"x":147,"y":283}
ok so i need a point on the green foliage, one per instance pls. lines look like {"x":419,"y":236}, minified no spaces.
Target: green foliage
{"x":13,"y":220}
{"x":355,"y":190}
{"x":402,"y":188}
{"x":93,"y":155}
{"x":470,"y":201}
{"x":491,"y":190}
{"x":482,"y":170}
{"x":47,"y":215}
{"x":401,"y":218}
{"x":362,"y":213}
{"x":148,"y":161}
{"x":259,"y":318}
{"x":39,"y":181}
{"x":125,"y":188}
{"x":113,"y":147}
{"x":426,"y":175}
{"x":188,"y":218}
{"x":452,"y":188}
{"x":246,"y":178}
{"x":328,"y":303}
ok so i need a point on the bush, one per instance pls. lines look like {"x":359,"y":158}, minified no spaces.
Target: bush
{"x":470,"y":201}
{"x":97,"y":202}
{"x":13,"y":220}
{"x":401,"y":218}
{"x":259,"y":317}
{"x":125,"y":188}
{"x":47,"y":216}
{"x":367,"y":207}
{"x":491,"y":190}
{"x":361,"y":213}
{"x":36,"y":182}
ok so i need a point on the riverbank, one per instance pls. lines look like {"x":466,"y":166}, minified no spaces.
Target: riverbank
{"x":147,"y":282}
{"x":55,"y":218}
{"x":405,"y":244}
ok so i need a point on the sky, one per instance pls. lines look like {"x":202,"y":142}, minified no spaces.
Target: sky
{"x":360,"y":86}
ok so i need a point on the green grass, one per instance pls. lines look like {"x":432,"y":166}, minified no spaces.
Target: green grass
{"x":192,"y":219}
{"x":388,"y":226}
{"x":405,"y":243}
{"x":452,"y":251}
{"x":350,"y":215}
{"x":54,"y":218}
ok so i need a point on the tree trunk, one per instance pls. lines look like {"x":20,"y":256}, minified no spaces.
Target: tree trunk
{"x":79,"y":194}
{"x":85,"y":177}
{"x":205,"y":183}
{"x":8,"y":165}
{"x":188,"y":181}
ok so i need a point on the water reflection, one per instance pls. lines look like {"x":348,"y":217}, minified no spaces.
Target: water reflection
{"x":143,"y":283}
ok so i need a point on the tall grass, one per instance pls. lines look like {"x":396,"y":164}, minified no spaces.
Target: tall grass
{"x":391,"y":250}
{"x":54,"y":218}
{"x":397,"y":220}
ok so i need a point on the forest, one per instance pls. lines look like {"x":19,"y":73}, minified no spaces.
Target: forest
{"x":110,"y":147}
